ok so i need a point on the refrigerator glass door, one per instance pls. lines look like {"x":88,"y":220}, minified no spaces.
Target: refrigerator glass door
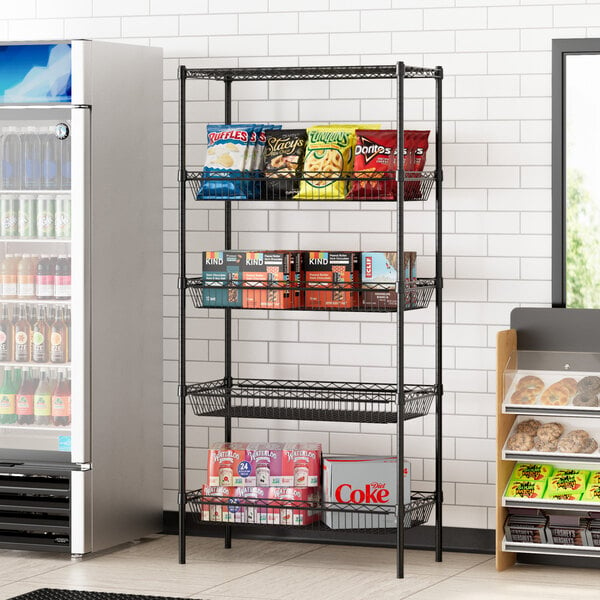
{"x":42,"y":363}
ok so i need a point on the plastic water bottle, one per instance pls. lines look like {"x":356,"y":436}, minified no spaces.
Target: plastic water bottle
{"x":32,"y":159}
{"x":50,"y":159}
{"x":65,"y":163}
{"x":11,"y":159}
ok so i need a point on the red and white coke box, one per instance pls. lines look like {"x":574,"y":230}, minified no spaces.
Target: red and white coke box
{"x":301,"y":465}
{"x":300,"y":509}
{"x":217,"y":512}
{"x":227,"y":465}
{"x":362,"y":480}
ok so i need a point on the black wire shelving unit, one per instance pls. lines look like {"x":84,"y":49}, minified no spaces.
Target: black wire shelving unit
{"x":229,"y":397}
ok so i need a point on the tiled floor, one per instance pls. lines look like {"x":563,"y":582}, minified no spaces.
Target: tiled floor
{"x":288,"y":571}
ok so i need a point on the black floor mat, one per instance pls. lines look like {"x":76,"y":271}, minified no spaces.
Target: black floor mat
{"x":56,"y":594}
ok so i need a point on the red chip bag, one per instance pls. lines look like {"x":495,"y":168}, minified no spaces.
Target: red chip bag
{"x":416,"y":144}
{"x":374,"y":165}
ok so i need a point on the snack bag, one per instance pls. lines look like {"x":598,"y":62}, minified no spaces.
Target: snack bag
{"x":525,"y":489}
{"x":375,"y":163}
{"x":255,"y":161}
{"x":594,"y":478}
{"x":226,"y":158}
{"x":592,"y":493}
{"x":568,"y":481}
{"x":329,"y":156}
{"x":282,"y":159}
{"x":416,"y":144}
{"x":531,"y":472}
{"x":552,"y":495}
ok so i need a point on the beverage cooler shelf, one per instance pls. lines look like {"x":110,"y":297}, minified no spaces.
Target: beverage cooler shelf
{"x":279,"y":295}
{"x":371,"y":518}
{"x":57,"y":428}
{"x":308,"y":400}
{"x":39,"y":365}
{"x":216,"y":185}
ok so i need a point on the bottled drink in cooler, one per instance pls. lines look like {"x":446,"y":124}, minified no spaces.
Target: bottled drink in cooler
{"x":42,"y":400}
{"x":62,"y":218}
{"x":45,"y":215}
{"x":8,"y":413}
{"x":62,"y":277}
{"x":6,"y":335}
{"x":44,"y":279}
{"x":26,"y":278}
{"x":59,"y":337}
{"x":9,"y":213}
{"x":50,"y":159}
{"x":27,"y":217}
{"x":65,"y":163}
{"x":61,"y":401}
{"x":22,"y":351}
{"x":31,"y":151}
{"x":25,"y":398}
{"x":8,"y":276}
{"x":40,"y":335}
{"x":11,"y":159}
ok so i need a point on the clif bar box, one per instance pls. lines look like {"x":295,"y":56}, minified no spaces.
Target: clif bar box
{"x":379,"y":274}
{"x":331,"y":279}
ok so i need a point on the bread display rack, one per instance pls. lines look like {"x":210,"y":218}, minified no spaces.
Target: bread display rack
{"x":552,"y":345}
{"x":232,"y":397}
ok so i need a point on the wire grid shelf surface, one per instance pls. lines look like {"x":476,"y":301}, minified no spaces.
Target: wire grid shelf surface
{"x":323,"y":72}
{"x":317,"y":186}
{"x":308,"y":514}
{"x":282,"y":295}
{"x":308,"y":400}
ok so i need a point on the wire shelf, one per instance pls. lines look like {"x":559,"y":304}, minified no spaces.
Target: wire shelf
{"x":231,"y":185}
{"x":372,"y":518}
{"x":283,"y":295}
{"x":308,"y":400}
{"x":304,"y":73}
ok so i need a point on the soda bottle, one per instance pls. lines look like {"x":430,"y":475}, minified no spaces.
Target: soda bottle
{"x":9,"y":212}
{"x":8,"y":414}
{"x":40,"y":337}
{"x":61,"y":401}
{"x":27,"y":219}
{"x":42,"y":401}
{"x":32,"y":159}
{"x":6,"y":335}
{"x":22,"y":351}
{"x":11,"y":159}
{"x":44,"y":283}
{"x":52,"y":274}
{"x":59,"y":338}
{"x":8,"y":277}
{"x":50,"y":159}
{"x":62,"y":218}
{"x":45,"y":216}
{"x":25,"y":398}
{"x":62,"y":277}
{"x":25,"y":278}
{"x":65,"y":163}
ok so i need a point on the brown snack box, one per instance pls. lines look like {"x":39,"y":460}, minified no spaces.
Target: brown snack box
{"x":270,"y":270}
{"x":326,"y":270}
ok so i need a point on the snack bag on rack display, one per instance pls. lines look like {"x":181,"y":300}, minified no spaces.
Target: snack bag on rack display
{"x":375,"y":161}
{"x":567,"y":481}
{"x":592,"y":493}
{"x":525,"y":489}
{"x":254,"y":158}
{"x":416,"y":145}
{"x":222,"y":279}
{"x":300,"y":510}
{"x":531,"y":472}
{"x":265,"y":459}
{"x":282,"y":162}
{"x":301,"y":465}
{"x":227,"y":465}
{"x":226,"y":158}
{"x":569,"y":496}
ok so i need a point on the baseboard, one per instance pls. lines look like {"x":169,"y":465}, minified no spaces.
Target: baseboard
{"x":455,"y":539}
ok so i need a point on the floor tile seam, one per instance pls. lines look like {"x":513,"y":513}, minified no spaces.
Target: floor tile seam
{"x":25,"y":578}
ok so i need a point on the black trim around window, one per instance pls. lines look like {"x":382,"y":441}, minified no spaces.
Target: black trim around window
{"x":561,"y":48}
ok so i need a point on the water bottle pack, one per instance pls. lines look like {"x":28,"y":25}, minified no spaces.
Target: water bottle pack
{"x":33,"y":158}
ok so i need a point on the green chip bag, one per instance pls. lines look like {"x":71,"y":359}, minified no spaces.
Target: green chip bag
{"x":531,"y":472}
{"x":525,"y":489}
{"x":592,"y":493}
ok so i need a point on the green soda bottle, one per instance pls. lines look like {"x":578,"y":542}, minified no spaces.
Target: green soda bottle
{"x":8,"y":413}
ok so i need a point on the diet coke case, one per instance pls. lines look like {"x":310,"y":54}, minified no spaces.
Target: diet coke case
{"x":265,"y":460}
{"x":301,"y":512}
{"x":301,"y":465}
{"x":362,"y":480}
{"x":228,"y":466}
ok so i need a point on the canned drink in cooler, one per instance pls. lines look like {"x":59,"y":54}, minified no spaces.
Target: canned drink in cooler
{"x":27,"y":216}
{"x":62,"y":220}
{"x":45,"y":216}
{"x":9,"y":210}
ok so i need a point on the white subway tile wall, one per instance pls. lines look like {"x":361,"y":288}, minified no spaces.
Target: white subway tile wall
{"x":497,"y":243}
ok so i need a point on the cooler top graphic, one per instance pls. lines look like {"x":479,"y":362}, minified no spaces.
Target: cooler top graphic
{"x":35,"y":73}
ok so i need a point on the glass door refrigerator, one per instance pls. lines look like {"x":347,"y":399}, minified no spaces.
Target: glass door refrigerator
{"x":80,"y":294}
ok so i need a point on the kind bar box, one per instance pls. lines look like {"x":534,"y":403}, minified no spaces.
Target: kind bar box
{"x":362,"y":480}
{"x":301,"y":465}
{"x":270,"y":270}
{"x":265,"y":460}
{"x":379,"y":271}
{"x":227,"y":465}
{"x":331,"y":279}
{"x":220,"y":269}
{"x":293,"y":506}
